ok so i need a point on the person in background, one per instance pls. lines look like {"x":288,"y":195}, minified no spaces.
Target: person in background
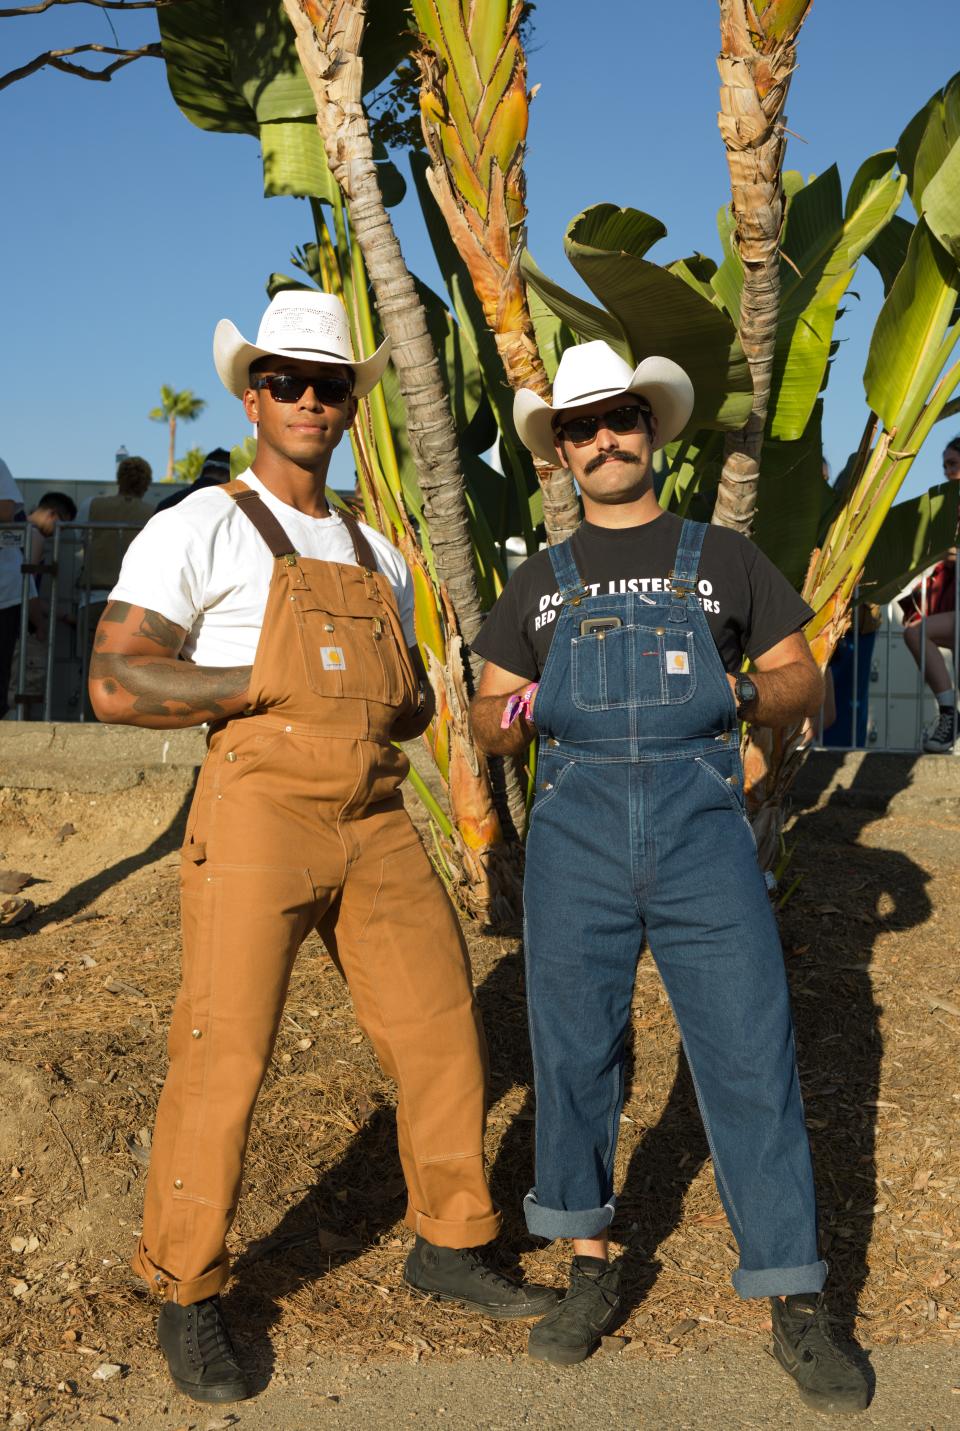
{"x":104,"y":552}
{"x":52,"y":508}
{"x":214,"y":473}
{"x":938,"y":634}
{"x":11,"y":581}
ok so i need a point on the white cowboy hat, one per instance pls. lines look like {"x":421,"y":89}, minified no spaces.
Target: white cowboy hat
{"x":298,"y":324}
{"x":591,"y":371}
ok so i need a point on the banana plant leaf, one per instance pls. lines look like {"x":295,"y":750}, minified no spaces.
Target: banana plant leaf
{"x":927,"y":140}
{"x":889,"y":249}
{"x":823,"y":240}
{"x":232,"y":66}
{"x":907,"y":349}
{"x":649,"y":310}
{"x":914,"y":535}
{"x":794,"y":499}
{"x":941,"y":203}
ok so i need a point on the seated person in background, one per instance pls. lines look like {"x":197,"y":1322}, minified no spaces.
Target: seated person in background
{"x":939,"y":632}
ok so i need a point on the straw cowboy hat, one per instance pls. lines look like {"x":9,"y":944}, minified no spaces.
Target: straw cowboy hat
{"x":589,"y":372}
{"x":298,"y":324}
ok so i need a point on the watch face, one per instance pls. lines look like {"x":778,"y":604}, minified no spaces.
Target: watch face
{"x":746,"y":690}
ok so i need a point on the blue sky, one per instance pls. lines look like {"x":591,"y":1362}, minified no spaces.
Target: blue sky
{"x":129,"y":233}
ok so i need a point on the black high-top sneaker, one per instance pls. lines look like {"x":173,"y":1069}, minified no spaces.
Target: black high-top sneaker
{"x":803,"y":1345}
{"x":199,"y":1352}
{"x":591,"y":1308}
{"x":459,"y":1274}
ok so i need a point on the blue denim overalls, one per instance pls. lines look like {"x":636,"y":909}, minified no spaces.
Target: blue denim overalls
{"x":639,"y":825}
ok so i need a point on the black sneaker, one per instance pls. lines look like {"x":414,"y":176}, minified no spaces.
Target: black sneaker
{"x":591,"y":1308}
{"x":940,"y":738}
{"x":200,"y":1355}
{"x":459,"y":1274}
{"x":827,"y":1379}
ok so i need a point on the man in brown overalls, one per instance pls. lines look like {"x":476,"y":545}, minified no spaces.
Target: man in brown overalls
{"x":296,"y":625}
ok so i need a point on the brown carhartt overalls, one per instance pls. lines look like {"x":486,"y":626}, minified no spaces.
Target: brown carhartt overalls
{"x":298,"y":822}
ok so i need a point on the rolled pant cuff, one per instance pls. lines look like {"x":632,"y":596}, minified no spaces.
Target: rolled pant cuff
{"x":183,"y":1291}
{"x":474,"y":1232}
{"x":551,"y":1222}
{"x":780,"y":1281}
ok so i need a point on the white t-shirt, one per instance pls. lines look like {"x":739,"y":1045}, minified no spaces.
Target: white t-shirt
{"x":203,"y":565}
{"x":11,"y":544}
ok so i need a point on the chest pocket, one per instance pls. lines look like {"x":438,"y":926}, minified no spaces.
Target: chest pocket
{"x":348,"y":642}
{"x":633,"y":666}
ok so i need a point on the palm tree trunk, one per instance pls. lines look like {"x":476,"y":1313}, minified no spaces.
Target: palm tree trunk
{"x":173,"y":443}
{"x":329,"y":33}
{"x":757,"y":57}
{"x":472,"y":65}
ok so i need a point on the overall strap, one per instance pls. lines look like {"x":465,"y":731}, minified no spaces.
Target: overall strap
{"x":569,"y":580}
{"x":686,"y":564}
{"x":362,"y":548}
{"x":260,"y":515}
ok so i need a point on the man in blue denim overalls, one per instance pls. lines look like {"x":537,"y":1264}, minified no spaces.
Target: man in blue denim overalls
{"x":621,"y":651}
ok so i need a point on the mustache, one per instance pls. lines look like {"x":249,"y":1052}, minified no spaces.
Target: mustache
{"x":603,"y":457}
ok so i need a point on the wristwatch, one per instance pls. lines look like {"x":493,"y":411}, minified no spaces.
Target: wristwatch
{"x":746,"y":693}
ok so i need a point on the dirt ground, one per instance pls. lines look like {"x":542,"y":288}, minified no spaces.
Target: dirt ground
{"x":871,"y":944}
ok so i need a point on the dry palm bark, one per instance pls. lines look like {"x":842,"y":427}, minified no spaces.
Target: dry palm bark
{"x":329,"y":35}
{"x":757,"y":58}
{"x":474,"y":108}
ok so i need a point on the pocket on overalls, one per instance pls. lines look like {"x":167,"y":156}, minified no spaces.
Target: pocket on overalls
{"x":346,"y":654}
{"x":633,"y":666}
{"x":725,"y":771}
{"x":552,"y":770}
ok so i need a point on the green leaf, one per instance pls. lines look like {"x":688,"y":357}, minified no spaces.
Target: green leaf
{"x":823,"y":242}
{"x":928,"y":138}
{"x":659,"y":313}
{"x":584,"y":319}
{"x":295,"y":161}
{"x":263,"y":56}
{"x":941,"y":203}
{"x":199,"y":68}
{"x":793,"y":499}
{"x":552,"y":334}
{"x":889,"y":249}
{"x":914,"y":534}
{"x":905,"y":351}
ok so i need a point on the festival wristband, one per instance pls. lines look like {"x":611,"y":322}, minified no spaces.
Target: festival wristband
{"x":519,"y":704}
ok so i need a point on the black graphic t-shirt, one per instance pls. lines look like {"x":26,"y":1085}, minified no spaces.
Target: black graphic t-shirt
{"x":748,"y":603}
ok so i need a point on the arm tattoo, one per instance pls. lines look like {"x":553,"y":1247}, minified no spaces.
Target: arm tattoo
{"x":176,"y":690}
{"x":157,"y":628}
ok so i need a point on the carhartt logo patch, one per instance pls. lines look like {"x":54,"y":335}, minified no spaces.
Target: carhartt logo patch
{"x":332,"y":658}
{"x":678,"y":663}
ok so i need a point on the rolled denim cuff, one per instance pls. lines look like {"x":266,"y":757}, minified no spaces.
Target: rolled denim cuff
{"x":780,"y":1281}
{"x":551,"y":1222}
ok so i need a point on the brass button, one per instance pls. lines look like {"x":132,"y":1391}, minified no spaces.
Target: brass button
{"x":546,"y":785}
{"x":328,"y":626}
{"x":733,"y":779}
{"x":661,"y":631}
{"x":725,"y":737}
{"x":178,"y":1182}
{"x":552,"y":741}
{"x":195,"y":1033}
{"x":231,"y":755}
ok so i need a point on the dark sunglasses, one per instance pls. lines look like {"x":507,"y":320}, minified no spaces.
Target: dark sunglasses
{"x":290,"y":387}
{"x":581,"y":430}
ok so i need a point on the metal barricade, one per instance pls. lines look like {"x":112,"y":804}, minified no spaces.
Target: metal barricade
{"x":65,"y":535}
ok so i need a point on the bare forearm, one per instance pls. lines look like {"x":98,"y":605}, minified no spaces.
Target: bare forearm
{"x":486,"y":713}
{"x":786,"y":694}
{"x":164,"y":693}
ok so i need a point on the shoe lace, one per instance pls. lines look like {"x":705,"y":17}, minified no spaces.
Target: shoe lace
{"x":815,"y":1341}
{"x":213,"y":1340}
{"x":472,"y":1260}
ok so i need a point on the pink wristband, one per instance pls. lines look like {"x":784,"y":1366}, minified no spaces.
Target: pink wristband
{"x":519,"y":704}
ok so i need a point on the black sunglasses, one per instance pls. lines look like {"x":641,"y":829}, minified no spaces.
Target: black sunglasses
{"x":290,"y":387}
{"x":581,"y":430}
